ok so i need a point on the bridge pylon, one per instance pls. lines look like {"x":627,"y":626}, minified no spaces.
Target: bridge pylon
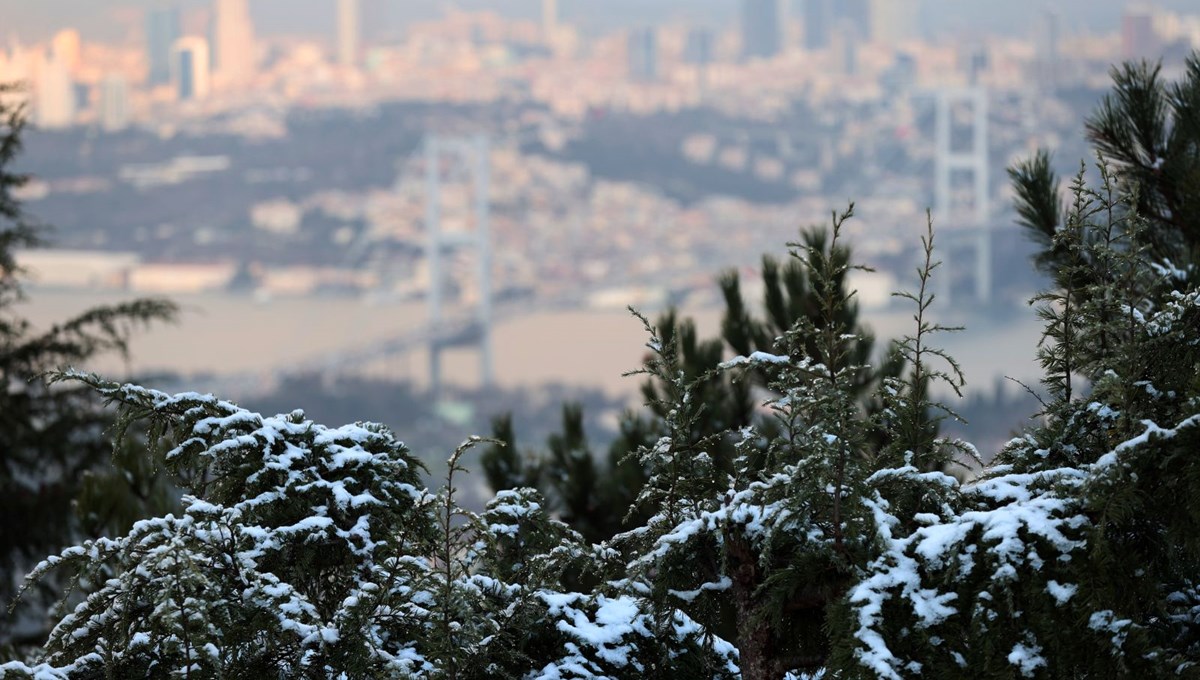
{"x":954,"y":220}
{"x":447,"y":157}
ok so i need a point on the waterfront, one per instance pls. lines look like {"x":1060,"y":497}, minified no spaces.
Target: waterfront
{"x":227,"y":335}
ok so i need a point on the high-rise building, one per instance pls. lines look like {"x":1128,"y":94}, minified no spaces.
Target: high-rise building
{"x":844,"y":45}
{"x":67,"y":48}
{"x":233,"y":37}
{"x":762,"y":29}
{"x":699,"y":50}
{"x":643,"y":54}
{"x":892,"y":21}
{"x":114,"y":102}
{"x":978,"y":61}
{"x":1046,"y":64}
{"x":818,"y":24}
{"x":857,"y":13}
{"x":189,"y":68}
{"x":55,"y":94}
{"x":1138,"y":38}
{"x":162,"y":30}
{"x":348,"y":32}
{"x":902,"y":76}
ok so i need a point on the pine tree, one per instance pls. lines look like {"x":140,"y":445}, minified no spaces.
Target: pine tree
{"x":53,"y":447}
{"x":1075,"y":554}
{"x":1147,"y":132}
{"x":307,"y":551}
{"x":592,"y":492}
{"x":774,"y":545}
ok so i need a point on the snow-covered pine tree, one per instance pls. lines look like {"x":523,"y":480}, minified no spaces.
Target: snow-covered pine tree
{"x":1076,"y":553}
{"x":306,"y":551}
{"x":590,"y":491}
{"x":593,"y":492}
{"x":296,"y":554}
{"x":774,"y":545}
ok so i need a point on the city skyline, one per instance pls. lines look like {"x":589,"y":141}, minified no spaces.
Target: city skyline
{"x":628,"y":162}
{"x":113,"y":21}
{"x":628,"y":155}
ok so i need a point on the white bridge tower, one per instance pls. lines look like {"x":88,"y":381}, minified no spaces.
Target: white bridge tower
{"x":446,"y":158}
{"x":956,"y":222}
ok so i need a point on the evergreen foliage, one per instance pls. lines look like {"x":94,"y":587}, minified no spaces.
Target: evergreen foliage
{"x":1148,"y":132}
{"x":53,"y":447}
{"x":591,"y":493}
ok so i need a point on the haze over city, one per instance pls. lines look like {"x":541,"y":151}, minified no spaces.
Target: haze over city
{"x":461,"y":198}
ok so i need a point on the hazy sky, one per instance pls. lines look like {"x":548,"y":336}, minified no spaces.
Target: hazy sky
{"x":112,"y":19}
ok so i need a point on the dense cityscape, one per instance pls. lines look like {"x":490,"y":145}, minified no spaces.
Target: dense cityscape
{"x":622,"y":166}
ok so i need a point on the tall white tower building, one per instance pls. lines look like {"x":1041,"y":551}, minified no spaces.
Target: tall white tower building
{"x":114,"y":102}
{"x":348,"y":32}
{"x":55,"y":94}
{"x":189,"y":68}
{"x":233,"y":42}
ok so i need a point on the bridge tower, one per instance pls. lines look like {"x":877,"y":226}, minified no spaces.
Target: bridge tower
{"x":953,"y":220}
{"x":445,"y":158}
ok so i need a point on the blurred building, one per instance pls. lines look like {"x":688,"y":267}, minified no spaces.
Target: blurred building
{"x":643,"y":55}
{"x":233,"y":43}
{"x":93,"y":270}
{"x":55,"y":94}
{"x":893,"y":21}
{"x":114,"y":102}
{"x":700,"y":48}
{"x":762,"y":29}
{"x":162,"y":30}
{"x":67,"y":48}
{"x":1046,"y":60}
{"x":348,"y":32}
{"x":902,"y":76}
{"x":181,"y":279}
{"x":818,"y":24}
{"x":190,"y":68}
{"x":858,"y":14}
{"x":844,"y":45}
{"x":977,"y":64}
{"x":1138,"y":38}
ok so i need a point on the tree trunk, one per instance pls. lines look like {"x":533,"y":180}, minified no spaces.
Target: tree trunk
{"x":755,"y":647}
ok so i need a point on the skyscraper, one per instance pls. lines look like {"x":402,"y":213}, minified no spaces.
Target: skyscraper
{"x":189,"y":68}
{"x":162,"y":30}
{"x":818,"y":24}
{"x":643,"y":54}
{"x":67,"y":48}
{"x":114,"y":102}
{"x":1138,"y":38}
{"x":844,"y":45}
{"x":1046,"y":65}
{"x":55,"y":99}
{"x":699,"y":49}
{"x":859,"y":14}
{"x":348,"y":32}
{"x":762,"y":29}
{"x":233,"y":35}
